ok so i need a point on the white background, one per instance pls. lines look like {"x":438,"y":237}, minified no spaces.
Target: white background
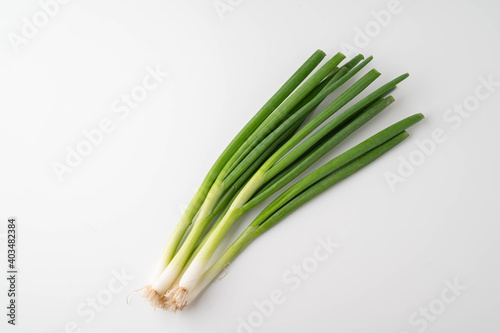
{"x":116,"y":209}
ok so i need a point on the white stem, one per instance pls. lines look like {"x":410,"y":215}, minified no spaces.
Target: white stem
{"x":192,"y":275}
{"x":197,"y":267}
{"x":158,"y":270}
{"x":202,"y":284}
{"x":166,"y":279}
{"x":166,"y":274}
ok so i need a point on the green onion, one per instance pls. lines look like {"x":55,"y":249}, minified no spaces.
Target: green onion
{"x":273,"y":149}
{"x":170,"y":266}
{"x":236,"y":209}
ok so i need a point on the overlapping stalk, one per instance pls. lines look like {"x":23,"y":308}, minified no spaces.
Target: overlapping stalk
{"x":220,"y":163}
{"x":268,"y":154}
{"x":289,"y":201}
{"x":238,"y":162}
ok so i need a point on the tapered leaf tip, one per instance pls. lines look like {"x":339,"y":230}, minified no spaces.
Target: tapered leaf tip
{"x":414,"y":119}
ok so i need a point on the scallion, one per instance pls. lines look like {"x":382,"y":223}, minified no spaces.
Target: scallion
{"x":274,"y":148}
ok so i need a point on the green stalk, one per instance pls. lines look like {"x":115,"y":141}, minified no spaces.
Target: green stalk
{"x":309,"y":188}
{"x":279,"y":210}
{"x":340,"y":77}
{"x":302,"y":113}
{"x":221,"y":185}
{"x":230,"y":195}
{"x":234,"y":188}
{"x":240,"y":138}
{"x":336,"y":105}
{"x":314,"y":154}
{"x":281,"y":113}
{"x":235,"y":211}
{"x":195,"y":235}
{"x":342,"y":159}
{"x":305,"y":162}
{"x":331,"y":126}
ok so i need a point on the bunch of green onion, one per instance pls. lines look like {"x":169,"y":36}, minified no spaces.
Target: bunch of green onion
{"x":274,"y":148}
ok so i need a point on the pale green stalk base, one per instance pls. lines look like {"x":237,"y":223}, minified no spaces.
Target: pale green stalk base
{"x":235,"y":211}
{"x":326,"y":176}
{"x":222,"y":182}
{"x":195,"y":204}
{"x":256,"y":229}
{"x":210,"y":274}
{"x":190,"y":277}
